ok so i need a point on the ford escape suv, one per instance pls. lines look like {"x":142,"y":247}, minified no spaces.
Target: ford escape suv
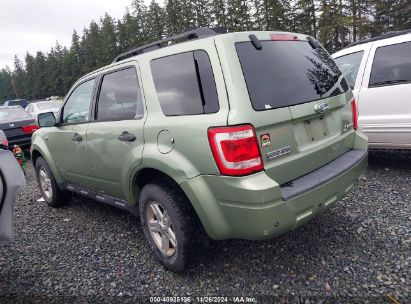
{"x":237,"y":135}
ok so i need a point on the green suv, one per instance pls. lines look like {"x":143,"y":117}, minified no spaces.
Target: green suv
{"x":236,"y":135}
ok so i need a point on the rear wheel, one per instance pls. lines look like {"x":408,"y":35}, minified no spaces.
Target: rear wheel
{"x":170,"y":226}
{"x":52,"y":194}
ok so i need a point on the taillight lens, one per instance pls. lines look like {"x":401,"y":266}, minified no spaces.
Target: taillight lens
{"x":3,"y":140}
{"x":29,"y":128}
{"x":235,"y":150}
{"x":354,"y":114}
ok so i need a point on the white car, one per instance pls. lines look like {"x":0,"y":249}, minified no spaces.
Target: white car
{"x":36,"y":108}
{"x":378,"y":71}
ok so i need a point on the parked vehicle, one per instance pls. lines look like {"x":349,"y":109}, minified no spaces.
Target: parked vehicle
{"x":36,"y":108}
{"x":18,"y":153}
{"x":379,"y":73}
{"x":12,"y":181}
{"x":16,"y":102}
{"x":18,"y":125}
{"x":241,"y":135}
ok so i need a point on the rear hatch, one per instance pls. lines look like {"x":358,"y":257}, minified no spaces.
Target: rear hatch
{"x":300,"y":104}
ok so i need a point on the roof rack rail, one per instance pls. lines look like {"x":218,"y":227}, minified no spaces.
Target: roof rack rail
{"x":380,"y":37}
{"x":189,"y":34}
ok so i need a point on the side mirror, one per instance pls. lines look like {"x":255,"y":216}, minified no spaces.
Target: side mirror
{"x":46,"y":119}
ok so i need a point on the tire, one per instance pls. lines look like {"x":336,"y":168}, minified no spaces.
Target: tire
{"x":52,"y":194}
{"x":183,"y":222}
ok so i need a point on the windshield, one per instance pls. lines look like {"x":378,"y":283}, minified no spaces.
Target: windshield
{"x":349,"y":65}
{"x":48,"y":105}
{"x":13,"y":114}
{"x":285,"y":73}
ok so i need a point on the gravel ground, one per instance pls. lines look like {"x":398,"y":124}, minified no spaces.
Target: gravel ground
{"x":358,"y":251}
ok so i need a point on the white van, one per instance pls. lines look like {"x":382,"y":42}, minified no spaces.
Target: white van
{"x":378,"y":71}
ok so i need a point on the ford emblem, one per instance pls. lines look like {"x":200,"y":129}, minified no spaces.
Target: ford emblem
{"x":321,"y":107}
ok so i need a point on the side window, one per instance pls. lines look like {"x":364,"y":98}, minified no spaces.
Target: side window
{"x":185,"y":84}
{"x":392,"y":65}
{"x":349,"y":65}
{"x":120,"y":96}
{"x":77,"y":107}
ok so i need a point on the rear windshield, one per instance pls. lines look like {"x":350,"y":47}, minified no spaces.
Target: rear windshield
{"x":16,"y":102}
{"x":12,"y":114}
{"x":286,"y":73}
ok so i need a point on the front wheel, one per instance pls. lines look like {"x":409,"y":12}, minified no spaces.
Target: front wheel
{"x":52,"y":194}
{"x":170,"y":226}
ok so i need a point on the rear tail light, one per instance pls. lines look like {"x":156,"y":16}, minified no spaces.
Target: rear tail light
{"x":354,"y":114}
{"x":29,"y":129}
{"x":3,"y":141}
{"x":235,"y":150}
{"x":284,"y":37}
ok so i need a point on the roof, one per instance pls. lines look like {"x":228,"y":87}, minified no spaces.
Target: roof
{"x":198,"y":33}
{"x":381,"y":37}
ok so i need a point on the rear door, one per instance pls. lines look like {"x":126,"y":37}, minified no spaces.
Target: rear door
{"x":67,"y":140}
{"x":115,"y":138}
{"x":385,"y":96}
{"x":299,"y":103}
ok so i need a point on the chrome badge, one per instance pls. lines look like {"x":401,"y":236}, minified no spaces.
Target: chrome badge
{"x":11,"y":125}
{"x":321,"y":107}
{"x":278,"y":153}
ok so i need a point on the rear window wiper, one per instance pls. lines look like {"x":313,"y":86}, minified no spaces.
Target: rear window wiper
{"x":380,"y":83}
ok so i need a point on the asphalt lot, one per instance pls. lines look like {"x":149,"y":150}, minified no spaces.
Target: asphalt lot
{"x":358,"y":251}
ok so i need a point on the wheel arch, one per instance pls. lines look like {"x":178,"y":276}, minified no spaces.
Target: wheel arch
{"x":152,"y":175}
{"x":149,"y":175}
{"x":37,"y":152}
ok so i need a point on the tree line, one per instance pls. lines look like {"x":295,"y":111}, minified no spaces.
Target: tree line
{"x":335,"y":23}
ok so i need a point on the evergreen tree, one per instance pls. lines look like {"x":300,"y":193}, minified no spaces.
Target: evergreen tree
{"x":19,"y":77}
{"x":155,"y":22}
{"x":108,"y":40}
{"x":138,"y":27}
{"x":306,"y":20}
{"x":238,"y":15}
{"x":219,"y":13}
{"x":174,"y":17}
{"x":273,"y":15}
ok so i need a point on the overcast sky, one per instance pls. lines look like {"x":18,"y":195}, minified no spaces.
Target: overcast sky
{"x":35,"y":25}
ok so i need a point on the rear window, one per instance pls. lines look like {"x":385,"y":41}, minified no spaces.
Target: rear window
{"x":120,"y":96}
{"x":286,"y":73}
{"x":12,"y":114}
{"x":349,"y":65}
{"x":392,"y":65}
{"x":185,"y":84}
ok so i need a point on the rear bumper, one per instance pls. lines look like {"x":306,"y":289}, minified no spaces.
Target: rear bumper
{"x":256,"y":207}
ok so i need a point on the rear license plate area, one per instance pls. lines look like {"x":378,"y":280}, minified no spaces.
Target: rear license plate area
{"x":316,"y":128}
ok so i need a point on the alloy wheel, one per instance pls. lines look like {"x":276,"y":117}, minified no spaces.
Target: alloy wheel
{"x":161,"y":228}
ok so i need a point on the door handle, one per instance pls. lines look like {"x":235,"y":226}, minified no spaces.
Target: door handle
{"x":125,"y":136}
{"x":77,"y":137}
